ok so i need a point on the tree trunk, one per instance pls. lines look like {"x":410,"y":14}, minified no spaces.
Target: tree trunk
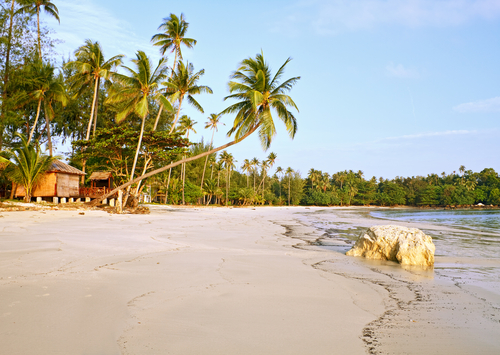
{"x":95,"y":104}
{"x":133,"y":166}
{"x":6,"y":73}
{"x":171,"y":165}
{"x":13,"y":192}
{"x":36,"y":119}
{"x":39,"y":40}
{"x":168,"y":184}
{"x":176,"y":116}
{"x":206,"y":160}
{"x":92,"y":111}
{"x":49,"y":138}
{"x":158,"y":117}
{"x":289,"y":191}
{"x":183,"y":176}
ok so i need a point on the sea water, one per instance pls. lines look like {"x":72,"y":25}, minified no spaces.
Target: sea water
{"x":471,"y":233}
{"x":467,"y":249}
{"x":467,"y":241}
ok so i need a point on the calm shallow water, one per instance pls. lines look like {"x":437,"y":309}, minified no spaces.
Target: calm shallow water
{"x":467,"y":241}
{"x":473,"y":233}
{"x":475,"y":220}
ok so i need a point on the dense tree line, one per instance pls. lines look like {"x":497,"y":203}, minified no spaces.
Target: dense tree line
{"x":126,"y":118}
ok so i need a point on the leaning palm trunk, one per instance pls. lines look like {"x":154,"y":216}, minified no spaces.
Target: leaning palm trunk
{"x":171,"y":165}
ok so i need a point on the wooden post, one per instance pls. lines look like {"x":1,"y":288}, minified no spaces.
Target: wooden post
{"x":119,"y":206}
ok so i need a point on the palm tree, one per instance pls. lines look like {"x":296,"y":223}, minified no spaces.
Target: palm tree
{"x":212,"y":123}
{"x":47,"y":88}
{"x":255,"y":164}
{"x":267,"y":164}
{"x":172,"y":38}
{"x":264,"y":166}
{"x":34,"y":6}
{"x":134,"y":92}
{"x":186,"y":125}
{"x":289,"y":172}
{"x":246,"y":168}
{"x":228,"y":160}
{"x":183,"y":84}
{"x":91,"y":67}
{"x":259,"y":94}
{"x":279,"y":172}
{"x":29,"y":166}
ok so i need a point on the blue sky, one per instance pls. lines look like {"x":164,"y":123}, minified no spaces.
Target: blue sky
{"x":387,"y":87}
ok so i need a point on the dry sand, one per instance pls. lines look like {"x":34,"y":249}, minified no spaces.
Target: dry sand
{"x":218,"y":281}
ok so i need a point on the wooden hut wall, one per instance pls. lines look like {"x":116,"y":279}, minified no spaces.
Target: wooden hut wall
{"x":46,"y":187}
{"x":67,"y":185}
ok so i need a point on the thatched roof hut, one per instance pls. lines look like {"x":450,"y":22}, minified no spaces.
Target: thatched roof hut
{"x":61,"y":180}
{"x":101,"y":179}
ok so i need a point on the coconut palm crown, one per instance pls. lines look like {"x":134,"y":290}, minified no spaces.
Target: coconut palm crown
{"x":175,"y":29}
{"x":90,"y":67}
{"x":259,"y":94}
{"x":183,"y":85}
{"x":33,"y":7}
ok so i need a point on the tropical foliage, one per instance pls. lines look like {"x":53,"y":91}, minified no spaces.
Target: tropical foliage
{"x":26,"y":165}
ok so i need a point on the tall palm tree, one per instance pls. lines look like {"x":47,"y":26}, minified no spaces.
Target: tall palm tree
{"x":259,"y":94}
{"x":133,"y":93}
{"x":47,"y":89}
{"x":289,"y":172}
{"x":28,"y":167}
{"x":183,"y":84}
{"x":34,"y":6}
{"x":186,"y":125}
{"x":267,"y":164}
{"x":279,"y":172}
{"x":212,"y":123}
{"x":173,"y":37}
{"x":264,"y":165}
{"x":171,"y":40}
{"x":247,"y":168}
{"x":91,"y":67}
{"x":228,"y":160}
{"x":255,"y":164}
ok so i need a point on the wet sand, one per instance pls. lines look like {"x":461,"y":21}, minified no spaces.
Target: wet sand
{"x":221,"y":281}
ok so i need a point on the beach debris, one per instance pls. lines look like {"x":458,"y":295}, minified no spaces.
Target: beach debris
{"x":407,"y":246}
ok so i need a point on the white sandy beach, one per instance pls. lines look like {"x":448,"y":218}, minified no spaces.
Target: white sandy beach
{"x":219,"y":281}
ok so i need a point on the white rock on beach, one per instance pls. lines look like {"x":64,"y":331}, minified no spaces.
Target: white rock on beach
{"x":408,"y":246}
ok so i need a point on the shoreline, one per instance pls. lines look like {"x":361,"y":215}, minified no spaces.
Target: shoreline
{"x":222,"y":280}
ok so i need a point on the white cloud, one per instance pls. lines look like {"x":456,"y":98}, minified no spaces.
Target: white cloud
{"x":334,"y":16}
{"x":399,"y":71}
{"x":489,"y":105}
{"x":429,"y":134}
{"x":86,"y":19}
